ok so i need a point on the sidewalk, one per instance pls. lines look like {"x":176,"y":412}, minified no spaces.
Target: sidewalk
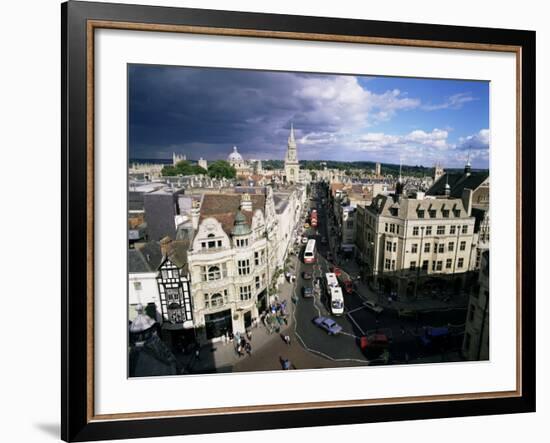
{"x":423,"y":303}
{"x":222,"y":356}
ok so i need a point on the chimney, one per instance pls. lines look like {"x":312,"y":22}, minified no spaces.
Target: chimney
{"x":246,"y":203}
{"x":467,"y":197}
{"x":165,"y":246}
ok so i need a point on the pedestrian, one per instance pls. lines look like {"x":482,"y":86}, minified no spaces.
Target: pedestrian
{"x":197,"y":354}
{"x":287,"y":339}
{"x":248,"y":348}
{"x":249,"y":334}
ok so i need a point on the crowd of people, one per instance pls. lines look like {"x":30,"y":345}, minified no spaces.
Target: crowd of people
{"x":242,"y":345}
{"x":276,"y":316}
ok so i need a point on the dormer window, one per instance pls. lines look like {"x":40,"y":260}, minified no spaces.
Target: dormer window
{"x":432,"y":213}
{"x":421,"y":213}
{"x":211,"y":243}
{"x":241,"y":242}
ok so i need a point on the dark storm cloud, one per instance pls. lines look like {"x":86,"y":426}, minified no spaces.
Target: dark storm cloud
{"x":204,"y":112}
{"x":199,"y":110}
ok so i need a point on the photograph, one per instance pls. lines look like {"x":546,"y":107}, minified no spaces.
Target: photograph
{"x":282,"y":221}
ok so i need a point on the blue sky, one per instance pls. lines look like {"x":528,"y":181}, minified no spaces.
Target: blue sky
{"x":204,"y":112}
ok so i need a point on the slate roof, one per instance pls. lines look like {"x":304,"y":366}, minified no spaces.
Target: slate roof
{"x":224,"y":207}
{"x":137,"y":262}
{"x":281,"y":202}
{"x":458,"y":181}
{"x":408,"y":208}
{"x":152,"y":359}
{"x":149,"y":257}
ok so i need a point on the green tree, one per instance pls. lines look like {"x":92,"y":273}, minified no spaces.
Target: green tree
{"x":221,"y":169}
{"x":169,"y":171}
{"x":183,"y":168}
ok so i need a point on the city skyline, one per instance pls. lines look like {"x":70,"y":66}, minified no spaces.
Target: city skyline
{"x":203,"y":112}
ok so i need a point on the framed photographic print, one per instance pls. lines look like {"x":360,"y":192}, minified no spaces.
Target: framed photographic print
{"x":279,"y":221}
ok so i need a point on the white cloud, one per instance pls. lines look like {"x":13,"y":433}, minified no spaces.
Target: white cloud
{"x":479,"y":141}
{"x":426,"y":147}
{"x":417,"y":139}
{"x":455,"y":101}
{"x":342,"y":104}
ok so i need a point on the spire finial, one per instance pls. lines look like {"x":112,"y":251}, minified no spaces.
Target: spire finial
{"x":400,"y":167}
{"x":468,"y":167}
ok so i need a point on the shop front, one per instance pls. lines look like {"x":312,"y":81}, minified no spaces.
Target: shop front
{"x":218,"y":324}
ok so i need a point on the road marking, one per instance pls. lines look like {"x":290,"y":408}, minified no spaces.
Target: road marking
{"x":355,"y":323}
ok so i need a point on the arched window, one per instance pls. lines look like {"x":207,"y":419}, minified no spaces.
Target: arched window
{"x":211,"y":243}
{"x":216,"y":300}
{"x":214,"y":273}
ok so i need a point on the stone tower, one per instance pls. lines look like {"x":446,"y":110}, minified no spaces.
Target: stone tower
{"x":292,"y":167}
{"x":438,"y":172}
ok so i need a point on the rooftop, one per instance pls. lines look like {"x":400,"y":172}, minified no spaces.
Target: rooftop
{"x":458,"y":181}
{"x":408,"y":208}
{"x":224,"y":207}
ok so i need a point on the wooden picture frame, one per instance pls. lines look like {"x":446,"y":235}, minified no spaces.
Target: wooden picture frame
{"x":79,"y":22}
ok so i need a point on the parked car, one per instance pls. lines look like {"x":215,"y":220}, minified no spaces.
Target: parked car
{"x":374,"y":341}
{"x":373,"y":306}
{"x":336,"y":271}
{"x":328,"y":324}
{"x":307,"y":292}
{"x":348,"y":286}
{"x":304,"y":240}
{"x":434,"y":336}
{"x":306,"y":275}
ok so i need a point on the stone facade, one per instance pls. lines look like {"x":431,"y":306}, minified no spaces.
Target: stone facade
{"x":476,"y":335}
{"x":406,"y":238}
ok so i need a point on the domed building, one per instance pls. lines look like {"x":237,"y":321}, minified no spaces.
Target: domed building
{"x":236,"y":160}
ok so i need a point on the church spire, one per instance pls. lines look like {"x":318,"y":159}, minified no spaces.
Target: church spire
{"x":291,"y":136}
{"x":292,"y":167}
{"x":468,"y":167}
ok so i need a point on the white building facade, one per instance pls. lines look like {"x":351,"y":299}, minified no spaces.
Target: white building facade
{"x":231,"y":263}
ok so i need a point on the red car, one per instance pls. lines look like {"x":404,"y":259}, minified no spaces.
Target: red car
{"x":375,"y":341}
{"x":348,"y":286}
{"x":336,"y":271}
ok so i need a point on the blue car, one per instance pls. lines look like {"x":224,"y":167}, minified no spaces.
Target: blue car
{"x":328,"y":324}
